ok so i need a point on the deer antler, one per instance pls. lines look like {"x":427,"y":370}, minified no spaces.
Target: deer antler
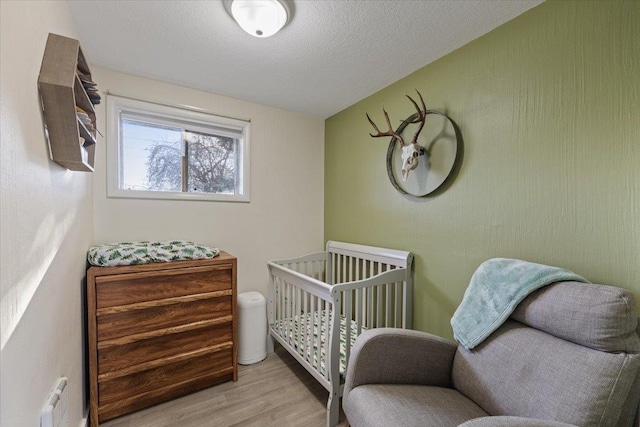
{"x":390,"y":132}
{"x":422,"y":115}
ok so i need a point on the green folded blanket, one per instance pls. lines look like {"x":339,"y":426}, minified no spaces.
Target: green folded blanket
{"x":145,"y":252}
{"x":495,"y":290}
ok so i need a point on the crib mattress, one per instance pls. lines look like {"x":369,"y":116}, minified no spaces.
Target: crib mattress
{"x":311,"y":321}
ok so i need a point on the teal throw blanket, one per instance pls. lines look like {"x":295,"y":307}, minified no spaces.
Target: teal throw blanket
{"x":495,"y":290}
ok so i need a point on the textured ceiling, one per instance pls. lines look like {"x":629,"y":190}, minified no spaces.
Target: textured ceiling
{"x":332,"y":53}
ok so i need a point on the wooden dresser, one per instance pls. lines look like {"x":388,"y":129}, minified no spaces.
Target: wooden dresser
{"x":158,"y":331}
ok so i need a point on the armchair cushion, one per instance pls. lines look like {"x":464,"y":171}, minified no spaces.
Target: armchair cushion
{"x":512,"y":422}
{"x":596,"y":316}
{"x":525,"y":372}
{"x":390,"y":405}
{"x":399,"y":356}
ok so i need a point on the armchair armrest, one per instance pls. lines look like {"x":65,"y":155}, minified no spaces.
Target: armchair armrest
{"x":399,"y":356}
{"x":512,"y":422}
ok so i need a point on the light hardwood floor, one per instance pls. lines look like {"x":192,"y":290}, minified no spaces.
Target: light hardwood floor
{"x":274,"y":392}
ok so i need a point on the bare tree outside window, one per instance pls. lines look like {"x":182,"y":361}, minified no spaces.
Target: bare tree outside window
{"x":210,"y":166}
{"x":164,"y":166}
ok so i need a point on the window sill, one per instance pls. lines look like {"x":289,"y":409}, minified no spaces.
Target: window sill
{"x":170,"y":195}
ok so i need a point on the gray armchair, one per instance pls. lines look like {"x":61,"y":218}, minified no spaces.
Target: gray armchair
{"x":568,"y":356}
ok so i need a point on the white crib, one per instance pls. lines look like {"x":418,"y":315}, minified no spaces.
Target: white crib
{"x":363,"y":286}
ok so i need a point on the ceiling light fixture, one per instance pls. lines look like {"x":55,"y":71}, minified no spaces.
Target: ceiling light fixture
{"x":260,"y":18}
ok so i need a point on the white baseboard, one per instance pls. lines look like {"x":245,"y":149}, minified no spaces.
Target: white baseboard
{"x":83,"y":421}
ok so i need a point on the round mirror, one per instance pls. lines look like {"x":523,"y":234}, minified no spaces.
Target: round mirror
{"x":440,"y":152}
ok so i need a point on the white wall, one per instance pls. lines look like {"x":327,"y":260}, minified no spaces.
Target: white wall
{"x":48,"y":219}
{"x":284,"y":217}
{"x":45,"y":229}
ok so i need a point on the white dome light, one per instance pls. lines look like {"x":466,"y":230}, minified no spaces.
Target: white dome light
{"x":260,"y":18}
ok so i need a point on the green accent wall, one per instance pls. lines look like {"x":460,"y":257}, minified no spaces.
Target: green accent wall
{"x":549,"y":108}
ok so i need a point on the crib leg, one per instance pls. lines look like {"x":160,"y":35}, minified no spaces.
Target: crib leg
{"x":333,"y":410}
{"x":270,"y":343}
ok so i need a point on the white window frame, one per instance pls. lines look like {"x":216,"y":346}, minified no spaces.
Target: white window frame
{"x":117,"y":106}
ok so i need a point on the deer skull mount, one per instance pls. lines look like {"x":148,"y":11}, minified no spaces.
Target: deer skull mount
{"x":410,"y":155}
{"x":412,"y":151}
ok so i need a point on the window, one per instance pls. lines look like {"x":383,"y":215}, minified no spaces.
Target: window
{"x":160,"y":152}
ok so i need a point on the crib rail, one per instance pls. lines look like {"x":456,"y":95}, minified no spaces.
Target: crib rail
{"x":300,"y":312}
{"x":319,"y":304}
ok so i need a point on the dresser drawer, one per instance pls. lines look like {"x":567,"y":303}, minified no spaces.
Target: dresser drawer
{"x":113,"y":324}
{"x":115,"y":389}
{"x":124,"y":289}
{"x":126,"y":394}
{"x":128,"y":352}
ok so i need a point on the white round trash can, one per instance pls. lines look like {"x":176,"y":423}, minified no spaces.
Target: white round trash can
{"x":252,"y":328}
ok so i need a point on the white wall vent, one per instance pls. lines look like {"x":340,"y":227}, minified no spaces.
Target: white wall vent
{"x":54,"y":413}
